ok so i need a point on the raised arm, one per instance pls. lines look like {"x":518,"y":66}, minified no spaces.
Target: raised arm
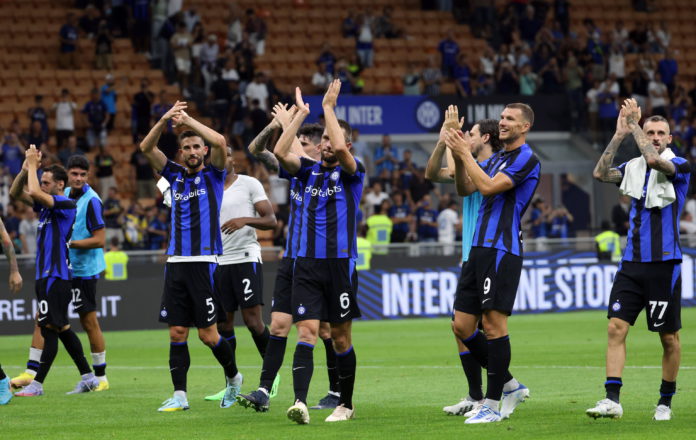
{"x":339,"y":143}
{"x":8,"y":249}
{"x":486,"y":185}
{"x":463,"y":182}
{"x":262,"y":141}
{"x":217,"y":142}
{"x":647,"y":149}
{"x":288,"y":159}
{"x":37,"y":195}
{"x":148,"y":145}
{"x":434,"y":170}
{"x":603,"y":171}
{"x":17,"y":191}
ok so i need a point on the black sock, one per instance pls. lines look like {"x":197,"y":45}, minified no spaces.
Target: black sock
{"x":74,"y":348}
{"x":613,"y":387}
{"x":667,"y":390}
{"x":48,"y":355}
{"x":499,"y":355}
{"x":99,"y":370}
{"x":472,"y":370}
{"x":272,"y":360}
{"x":225,"y":356}
{"x":179,"y":363}
{"x":261,"y":340}
{"x":2,"y":373}
{"x":302,"y":369}
{"x":478,"y":347}
{"x":331,"y":366}
{"x":32,"y":365}
{"x":230,"y":337}
{"x":347,"y":364}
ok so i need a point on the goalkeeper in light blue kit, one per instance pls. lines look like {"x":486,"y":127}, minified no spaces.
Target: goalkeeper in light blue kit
{"x":484,"y":141}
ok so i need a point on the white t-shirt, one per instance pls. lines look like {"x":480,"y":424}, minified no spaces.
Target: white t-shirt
{"x":446,"y":222}
{"x":29,"y":230}
{"x":372,"y":200}
{"x":617,"y":65}
{"x":238,"y":200}
{"x":661,"y":89}
{"x":592,"y":105}
{"x":258,"y":91}
{"x":64,"y":115}
{"x":279,"y":189}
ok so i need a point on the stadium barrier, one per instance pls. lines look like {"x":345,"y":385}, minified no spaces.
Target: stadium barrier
{"x":411,"y":280}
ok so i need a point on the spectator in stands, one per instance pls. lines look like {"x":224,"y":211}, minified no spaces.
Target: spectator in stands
{"x":572,"y":77}
{"x":608,"y":244}
{"x":506,"y":79}
{"x":539,"y":218}
{"x":559,"y":222}
{"x":664,"y":37}
{"x":196,"y":77}
{"x":461,"y":72}
{"x":157,"y":228}
{"x":89,"y":22}
{"x":141,"y":15}
{"x":411,"y":81}
{"x":105,"y":171}
{"x":135,"y":226}
{"x":96,"y":114}
{"x":619,"y":35}
{"x":400,"y":215}
{"x":419,"y":186}
{"x":668,"y":69}
{"x":35,"y":135}
{"x":551,"y":78}
{"x":638,"y":38}
{"x":639,"y":81}
{"x":158,"y":41}
{"x":168,"y":142}
{"x":448,"y":224}
{"x":374,"y":197}
{"x":327,"y":57}
{"x":426,"y":220}
{"x":349,"y":26}
{"x":386,"y":156}
{"x":229,"y":69}
{"x":39,"y":113}
{"x":529,"y":81}
{"x":364,"y":43}
{"x":487,"y":62}
{"x":258,"y":117}
{"x":346,"y":77}
{"x":598,"y":52}
{"x":112,"y":215}
{"x":529,"y":26}
{"x":354,"y":67}
{"x":118,"y":18}
{"x":617,"y":66}
{"x":321,"y":79}
{"x":234,"y":27}
{"x":256,"y":27}
{"x":449,"y":49}
{"x":28,"y":229}
{"x":67,"y":58}
{"x":12,"y":221}
{"x":71,"y":149}
{"x":65,"y":117}
{"x":103,"y":47}
{"x":608,"y":109}
{"x":12,"y":154}
{"x":432,"y":77}
{"x":190,"y":18}
{"x":109,"y":97}
{"x":407,"y":169}
{"x":385,"y":27}
{"x":209,"y":53}
{"x":659,"y":96}
{"x":380,"y":227}
{"x":257,"y":90}
{"x":619,"y":215}
{"x":181,"y":43}
{"x":143,"y":175}
{"x":142,"y":108}
{"x":219,"y":99}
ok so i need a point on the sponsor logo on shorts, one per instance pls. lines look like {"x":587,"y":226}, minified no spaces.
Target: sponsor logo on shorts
{"x":343,"y":315}
{"x":301,"y":310}
{"x":658,"y":325}
{"x":616,"y":306}
{"x":246,"y":298}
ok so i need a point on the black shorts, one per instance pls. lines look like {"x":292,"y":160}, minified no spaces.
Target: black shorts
{"x":53,"y":296}
{"x":325,"y":289}
{"x":488,"y":281}
{"x":84,"y":295}
{"x":282,"y":292}
{"x":239,"y":285}
{"x":189,"y":297}
{"x":655,"y":287}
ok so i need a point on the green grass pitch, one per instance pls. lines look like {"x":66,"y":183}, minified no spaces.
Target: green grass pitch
{"x":407,"y":371}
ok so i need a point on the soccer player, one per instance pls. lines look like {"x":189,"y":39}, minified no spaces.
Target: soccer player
{"x":325,"y":280}
{"x":308,"y":144}
{"x":484,"y":141}
{"x":53,"y":273}
{"x":15,"y":286}
{"x":239,"y":275}
{"x":507,"y":184}
{"x":87,"y":262}
{"x":649,"y":275}
{"x":189,"y":298}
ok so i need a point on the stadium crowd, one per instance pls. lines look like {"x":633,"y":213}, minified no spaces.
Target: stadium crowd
{"x":531,"y":50}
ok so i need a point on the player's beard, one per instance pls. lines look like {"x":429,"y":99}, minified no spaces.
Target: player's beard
{"x":196,"y":164}
{"x":330,"y":159}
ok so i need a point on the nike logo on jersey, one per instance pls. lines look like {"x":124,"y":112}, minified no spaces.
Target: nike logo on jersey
{"x":317,"y":174}
{"x":246,"y":298}
{"x":179,"y":179}
{"x":344,"y":314}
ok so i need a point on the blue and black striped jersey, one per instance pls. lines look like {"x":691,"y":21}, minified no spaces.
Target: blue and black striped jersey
{"x":293,"y":236}
{"x":55,"y":229}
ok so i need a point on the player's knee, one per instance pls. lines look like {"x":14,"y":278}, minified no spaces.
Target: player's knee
{"x":307,"y":334}
{"x":209,"y":338}
{"x":325,"y":330}
{"x":670,"y":341}
{"x":177,"y":334}
{"x":617,"y":330}
{"x":281,"y":326}
{"x":253,"y":321}
{"x":342,"y":343}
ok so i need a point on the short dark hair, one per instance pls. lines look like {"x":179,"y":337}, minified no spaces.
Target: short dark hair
{"x":312,"y":131}
{"x":657,"y":118}
{"x":188,"y":134}
{"x":606,"y":225}
{"x":348,"y":131}
{"x":58,"y":173}
{"x":115,"y":242}
{"x":492,"y":129}
{"x":78,"y":161}
{"x":527,"y":112}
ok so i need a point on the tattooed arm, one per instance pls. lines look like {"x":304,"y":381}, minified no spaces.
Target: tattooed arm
{"x":267,"y":158}
{"x":263,"y":140}
{"x":647,"y":149}
{"x":8,"y":249}
{"x":603,"y":171}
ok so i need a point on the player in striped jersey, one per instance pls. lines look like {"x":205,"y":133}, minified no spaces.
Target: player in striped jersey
{"x":484,"y":141}
{"x":325,"y":281}
{"x":307,"y":144}
{"x":649,"y":275}
{"x":53,"y":273}
{"x":507,"y":182}
{"x":15,"y":285}
{"x":194,"y":243}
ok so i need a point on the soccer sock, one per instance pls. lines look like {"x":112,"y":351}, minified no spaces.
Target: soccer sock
{"x":331,"y":366}
{"x":33,"y":362}
{"x":272,"y":360}
{"x":511,"y":384}
{"x":347,"y":364}
{"x":478,"y":347}
{"x":302,"y":369}
{"x":99,"y":364}
{"x":2,"y":374}
{"x":74,"y":348}
{"x":50,"y":351}
{"x":261,"y":340}
{"x":499,"y":355}
{"x":613,"y":387}
{"x":179,"y":362}
{"x":472,"y":370}
{"x":667,"y":390}
{"x":225,"y":356}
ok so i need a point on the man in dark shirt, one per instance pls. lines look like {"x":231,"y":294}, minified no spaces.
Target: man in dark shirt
{"x":143,"y":175}
{"x":112,"y":213}
{"x":67,"y":58}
